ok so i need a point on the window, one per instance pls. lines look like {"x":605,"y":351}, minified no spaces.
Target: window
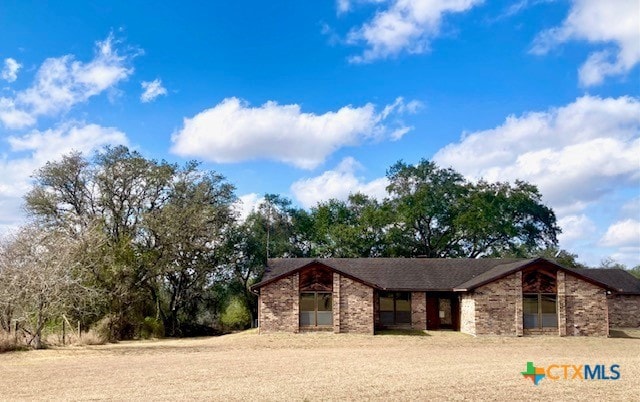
{"x":315,"y":309}
{"x":395,"y":308}
{"x":539,"y":306}
{"x":539,"y":311}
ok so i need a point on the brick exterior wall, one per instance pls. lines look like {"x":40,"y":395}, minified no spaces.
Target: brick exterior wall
{"x":519,"y":313}
{"x":562,"y":303}
{"x":586,"y":308}
{"x":336,"y":302}
{"x":496,"y":306}
{"x":468,"y":314}
{"x":279,"y":305}
{"x":356,"y":307}
{"x":419,"y":310}
{"x":624,"y":311}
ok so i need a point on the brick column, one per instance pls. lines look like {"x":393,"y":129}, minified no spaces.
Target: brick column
{"x":561,"y":304}
{"x":335,"y":303}
{"x":296,"y":302}
{"x":260,"y":312}
{"x":606,"y":307}
{"x":419,"y":310}
{"x":518,"y":291}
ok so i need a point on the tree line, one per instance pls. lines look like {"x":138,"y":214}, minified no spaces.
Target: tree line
{"x":136,"y":246}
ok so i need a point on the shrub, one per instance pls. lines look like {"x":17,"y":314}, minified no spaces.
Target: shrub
{"x":91,"y":337}
{"x":8,"y":343}
{"x":112,"y":328}
{"x":236,"y":315}
{"x":152,"y":328}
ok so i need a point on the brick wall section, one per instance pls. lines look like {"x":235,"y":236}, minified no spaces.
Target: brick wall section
{"x":419,"y":310}
{"x":586,"y":308}
{"x":519,"y":317}
{"x":356,"y":307}
{"x":279,"y":306}
{"x":624,"y":311}
{"x":496,"y":306}
{"x":468,"y":314}
{"x":336,"y":303}
{"x":562,"y":303}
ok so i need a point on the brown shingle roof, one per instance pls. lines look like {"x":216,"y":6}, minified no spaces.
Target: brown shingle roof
{"x":494,"y":273}
{"x":618,"y":279}
{"x":438,"y":274}
{"x":397,"y":273}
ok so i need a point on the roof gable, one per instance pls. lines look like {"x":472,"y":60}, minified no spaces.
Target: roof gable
{"x":501,"y":271}
{"x":283,"y":267}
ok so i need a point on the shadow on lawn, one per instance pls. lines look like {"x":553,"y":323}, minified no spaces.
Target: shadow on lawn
{"x":406,"y":332}
{"x":625,"y":333}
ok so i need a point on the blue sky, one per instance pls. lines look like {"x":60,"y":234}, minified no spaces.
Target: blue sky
{"x":316,"y":99}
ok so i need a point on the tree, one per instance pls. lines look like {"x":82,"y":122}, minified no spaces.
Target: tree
{"x":440,"y":214}
{"x":39,"y":280}
{"x":236,"y":315}
{"x":355,"y":228}
{"x":554,"y":253}
{"x":274,"y":229}
{"x":611,"y":263}
{"x":186,"y":239}
{"x":426,"y":200}
{"x":162,"y":228}
{"x":499,"y":217}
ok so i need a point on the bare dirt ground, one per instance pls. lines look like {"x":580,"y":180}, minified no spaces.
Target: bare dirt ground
{"x":320,"y":366}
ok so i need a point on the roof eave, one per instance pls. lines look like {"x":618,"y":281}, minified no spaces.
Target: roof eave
{"x":391,"y":289}
{"x":535,"y":261}
{"x":314,"y":261}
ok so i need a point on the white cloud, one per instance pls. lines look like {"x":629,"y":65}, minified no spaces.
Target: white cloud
{"x":575,"y":228}
{"x":31,"y":151}
{"x":520,"y":6}
{"x":10,"y":69}
{"x":13,"y":117}
{"x":246,"y":204}
{"x":613,"y":22}
{"x":343,"y":6}
{"x":63,"y":82}
{"x":233,"y":131}
{"x":575,"y":153}
{"x":337,"y":183}
{"x":151,"y":90}
{"x":403,"y":26}
{"x":624,"y":233}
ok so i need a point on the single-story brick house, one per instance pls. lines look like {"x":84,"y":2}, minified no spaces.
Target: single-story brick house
{"x":475,"y":296}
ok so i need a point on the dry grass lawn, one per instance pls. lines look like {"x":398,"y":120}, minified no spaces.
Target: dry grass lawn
{"x":247,"y":366}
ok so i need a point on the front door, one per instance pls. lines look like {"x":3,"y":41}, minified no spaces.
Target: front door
{"x":443,"y":311}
